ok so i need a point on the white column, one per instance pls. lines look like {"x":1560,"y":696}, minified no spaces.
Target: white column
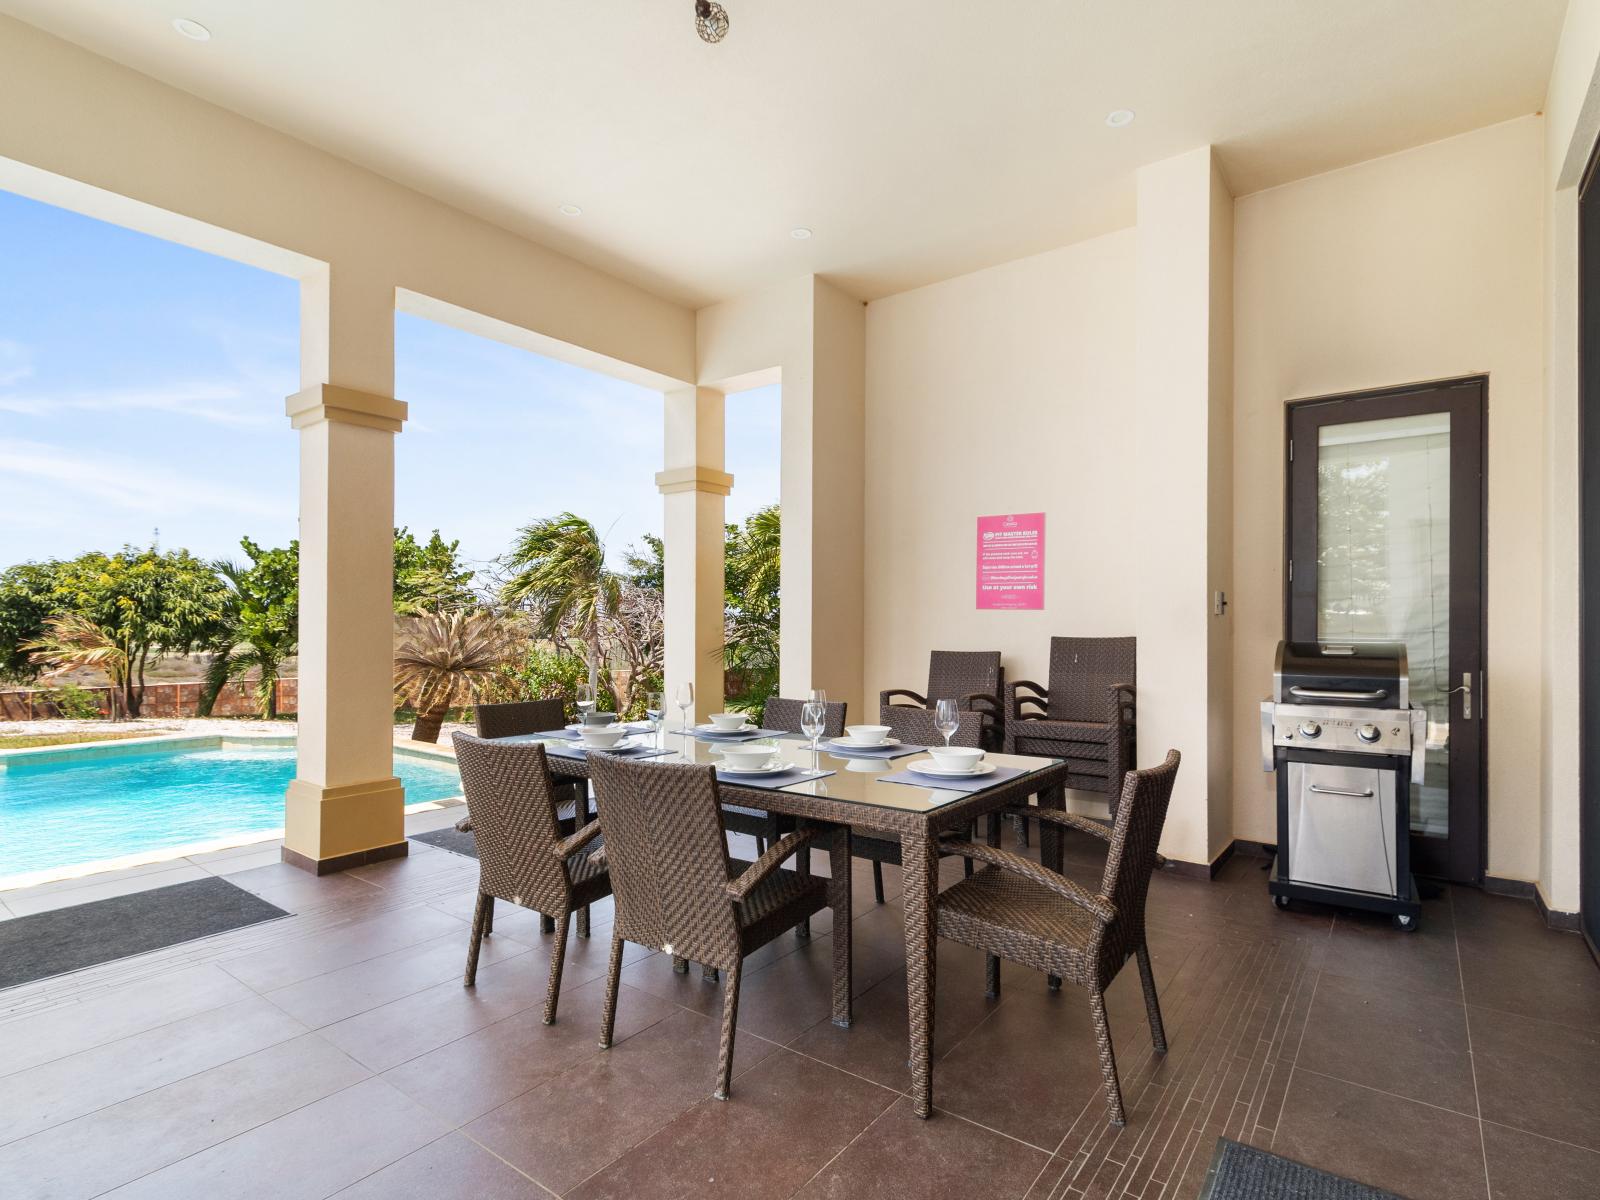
{"x":694,"y":490}
{"x":345,"y":806}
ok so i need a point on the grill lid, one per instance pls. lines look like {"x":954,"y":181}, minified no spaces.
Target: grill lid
{"x":1347,"y":674}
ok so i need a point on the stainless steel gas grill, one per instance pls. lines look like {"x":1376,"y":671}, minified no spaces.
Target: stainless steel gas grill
{"x":1346,"y":744}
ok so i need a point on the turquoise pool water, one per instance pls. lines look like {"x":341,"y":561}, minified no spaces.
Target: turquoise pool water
{"x":61,"y":810}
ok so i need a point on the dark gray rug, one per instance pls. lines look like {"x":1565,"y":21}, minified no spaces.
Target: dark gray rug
{"x":1240,"y":1172}
{"x":84,"y":935}
{"x":452,"y":840}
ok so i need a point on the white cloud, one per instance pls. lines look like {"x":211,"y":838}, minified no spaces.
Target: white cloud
{"x":125,"y":483}
{"x":16,"y":363}
{"x":220,"y":403}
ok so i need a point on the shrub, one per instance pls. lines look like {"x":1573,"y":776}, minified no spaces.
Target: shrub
{"x":540,"y":672}
{"x":74,"y":703}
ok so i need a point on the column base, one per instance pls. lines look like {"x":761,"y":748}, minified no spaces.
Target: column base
{"x":328,"y":829}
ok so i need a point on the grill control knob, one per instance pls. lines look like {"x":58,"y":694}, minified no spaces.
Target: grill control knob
{"x":1368,"y":733}
{"x":1310,"y":729}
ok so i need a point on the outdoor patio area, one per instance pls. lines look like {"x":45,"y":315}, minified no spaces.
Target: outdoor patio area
{"x":336,"y":1052}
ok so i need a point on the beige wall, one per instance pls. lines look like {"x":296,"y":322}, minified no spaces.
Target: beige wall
{"x":1422,"y":265}
{"x":1008,"y":390}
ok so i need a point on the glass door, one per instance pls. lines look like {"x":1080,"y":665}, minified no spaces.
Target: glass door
{"x":1386,"y":544}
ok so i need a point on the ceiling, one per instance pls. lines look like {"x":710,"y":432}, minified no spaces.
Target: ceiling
{"x":918,"y":139}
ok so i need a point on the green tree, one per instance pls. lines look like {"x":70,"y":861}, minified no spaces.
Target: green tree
{"x":120,"y":612}
{"x":559,"y":574}
{"x":751,"y":598}
{"x":259,"y":623}
{"x":441,"y":659}
{"x":27,"y":601}
{"x":429,"y":576}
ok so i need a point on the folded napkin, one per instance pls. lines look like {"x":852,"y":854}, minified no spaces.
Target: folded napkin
{"x":742,"y":736}
{"x":573,"y":750}
{"x":770,"y":782}
{"x":872,"y":751}
{"x":954,"y":783}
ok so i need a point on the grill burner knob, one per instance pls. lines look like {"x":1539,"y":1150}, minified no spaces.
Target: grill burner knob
{"x":1368,"y":733}
{"x":1310,"y":729}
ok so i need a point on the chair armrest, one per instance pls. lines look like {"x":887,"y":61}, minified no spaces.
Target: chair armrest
{"x":1098,"y":906}
{"x":738,"y":889}
{"x":464,"y":825}
{"x":1065,"y":819}
{"x":1036,"y":696}
{"x":568,"y":846}
{"x":990,"y":704}
{"x":887,"y":697}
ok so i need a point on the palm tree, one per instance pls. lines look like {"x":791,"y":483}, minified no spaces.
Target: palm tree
{"x":72,"y":640}
{"x":750,"y":638}
{"x":259,"y":625}
{"x":559,"y":572}
{"x":441,"y":658}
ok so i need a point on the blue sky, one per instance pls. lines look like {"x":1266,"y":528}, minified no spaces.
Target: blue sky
{"x":142,"y":386}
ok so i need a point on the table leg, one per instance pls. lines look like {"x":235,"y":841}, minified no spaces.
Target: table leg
{"x":1050,"y":847}
{"x":919,"y":867}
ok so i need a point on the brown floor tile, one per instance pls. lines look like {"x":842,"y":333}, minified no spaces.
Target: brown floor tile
{"x":784,"y":1120}
{"x":1533,"y":971}
{"x":1384,"y":1141}
{"x":452,"y":1168}
{"x":1538,"y":1076}
{"x":565,"y":1130}
{"x":67,"y":1088}
{"x":304,"y":1155}
{"x":291,"y":962}
{"x":121,"y":1143}
{"x":902,"y":1158}
{"x":1424,"y":961}
{"x":1523,"y":1166}
{"x":295,"y":890}
{"x":483,"y":1070}
{"x":1370,"y":1034}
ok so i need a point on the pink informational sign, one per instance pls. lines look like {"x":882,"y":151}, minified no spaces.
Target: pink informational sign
{"x":1011,"y":561}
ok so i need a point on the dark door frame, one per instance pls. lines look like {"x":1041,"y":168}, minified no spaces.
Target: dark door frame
{"x":1467,"y":852}
{"x":1589,"y":554}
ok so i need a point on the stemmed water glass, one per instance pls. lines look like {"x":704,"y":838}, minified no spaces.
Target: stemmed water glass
{"x":946,"y":718}
{"x":685,"y":703}
{"x":585,"y":702}
{"x":652,"y":713}
{"x":813,"y":720}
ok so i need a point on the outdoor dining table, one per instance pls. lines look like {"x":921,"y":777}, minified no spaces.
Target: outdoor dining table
{"x":855,"y":793}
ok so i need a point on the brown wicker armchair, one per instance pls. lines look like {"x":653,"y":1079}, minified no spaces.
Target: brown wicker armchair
{"x":1019,"y":910}
{"x":523,"y":857}
{"x":781,"y":713}
{"x":679,"y":892}
{"x":1086,"y":716}
{"x":974,"y":678}
{"x":914,"y":726}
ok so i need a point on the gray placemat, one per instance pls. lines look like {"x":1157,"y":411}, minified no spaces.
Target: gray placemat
{"x":954,"y":783}
{"x":771,"y":782}
{"x":902,"y":751}
{"x":573,"y":750}
{"x":1240,"y":1172}
{"x":701,"y":735}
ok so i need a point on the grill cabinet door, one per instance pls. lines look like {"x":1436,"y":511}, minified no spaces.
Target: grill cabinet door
{"x":1342,"y":826}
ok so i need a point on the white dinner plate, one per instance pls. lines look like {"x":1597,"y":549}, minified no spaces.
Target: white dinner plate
{"x":845,"y":743}
{"x":769,"y":769}
{"x":623,"y":744}
{"x":714,"y":731}
{"x":929,"y":767}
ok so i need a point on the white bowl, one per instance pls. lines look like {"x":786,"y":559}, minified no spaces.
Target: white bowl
{"x":746,"y":757}
{"x":599,"y":719}
{"x":730,"y":722}
{"x":867,"y":735}
{"x":602,"y":737}
{"x":956,"y":758}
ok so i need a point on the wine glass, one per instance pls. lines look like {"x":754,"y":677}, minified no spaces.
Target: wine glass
{"x":585,"y":702}
{"x":652,"y":713}
{"x":813,"y":720}
{"x":946,"y":718}
{"x":685,"y":703}
{"x":817,"y":696}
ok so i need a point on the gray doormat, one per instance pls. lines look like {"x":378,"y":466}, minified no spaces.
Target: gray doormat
{"x":84,"y":935}
{"x":1240,"y":1172}
{"x":452,"y":840}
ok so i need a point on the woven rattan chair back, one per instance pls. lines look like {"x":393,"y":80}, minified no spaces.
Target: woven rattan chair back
{"x":783,"y":713}
{"x":522,"y":716}
{"x":668,"y":857}
{"x":1131,"y":858}
{"x":1081,"y":669}
{"x":914,"y":726}
{"x":512,"y":801}
{"x":956,"y":674}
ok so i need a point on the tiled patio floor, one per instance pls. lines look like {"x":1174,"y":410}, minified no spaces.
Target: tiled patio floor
{"x":337,"y":1053}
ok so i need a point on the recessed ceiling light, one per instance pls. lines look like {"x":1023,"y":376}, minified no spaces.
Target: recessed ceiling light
{"x":192,"y":30}
{"x":800,"y":234}
{"x":571,"y":210}
{"x":1119,"y":118}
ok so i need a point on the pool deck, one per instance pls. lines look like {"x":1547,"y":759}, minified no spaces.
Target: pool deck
{"x":40,"y":891}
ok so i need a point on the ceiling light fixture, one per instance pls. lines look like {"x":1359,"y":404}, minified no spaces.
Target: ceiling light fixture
{"x":800,"y":234}
{"x":571,"y":210}
{"x":192,"y":30}
{"x":710,"y":20}
{"x":1119,"y":118}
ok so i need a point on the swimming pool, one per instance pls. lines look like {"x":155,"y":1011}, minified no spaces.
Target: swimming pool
{"x":84,"y":804}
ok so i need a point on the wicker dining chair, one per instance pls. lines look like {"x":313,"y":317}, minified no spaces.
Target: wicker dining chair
{"x":780,"y":713}
{"x":914,"y":726}
{"x":523,"y":857}
{"x":679,"y":892}
{"x":1086,"y":716}
{"x":1016,"y":909}
{"x":973,"y":678}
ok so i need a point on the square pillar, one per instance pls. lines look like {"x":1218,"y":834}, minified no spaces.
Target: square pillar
{"x":345,"y":806}
{"x":694,"y":490}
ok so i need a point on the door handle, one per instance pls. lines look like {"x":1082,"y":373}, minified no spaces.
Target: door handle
{"x":1466,"y":695}
{"x":1363,"y":794}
